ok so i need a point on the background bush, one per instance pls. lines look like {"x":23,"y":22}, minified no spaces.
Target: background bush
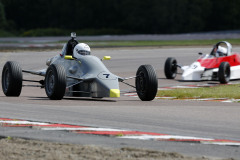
{"x":95,"y":17}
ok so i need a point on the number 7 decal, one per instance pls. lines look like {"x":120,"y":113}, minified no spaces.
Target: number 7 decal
{"x":107,"y":75}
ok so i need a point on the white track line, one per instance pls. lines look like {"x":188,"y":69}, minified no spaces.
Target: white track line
{"x":24,"y":122}
{"x":83,"y":129}
{"x":166,"y":137}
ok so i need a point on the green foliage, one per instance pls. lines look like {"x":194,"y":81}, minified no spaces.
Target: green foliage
{"x":103,"y":31}
{"x":65,"y":32}
{"x":4,"y":33}
{"x":120,"y":16}
{"x":2,"y":16}
{"x":43,"y":32}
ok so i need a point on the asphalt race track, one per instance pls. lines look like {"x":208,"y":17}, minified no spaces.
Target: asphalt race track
{"x":215,"y":120}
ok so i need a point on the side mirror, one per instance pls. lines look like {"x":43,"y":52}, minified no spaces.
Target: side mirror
{"x":200,"y":53}
{"x":69,"y":58}
{"x":106,"y":58}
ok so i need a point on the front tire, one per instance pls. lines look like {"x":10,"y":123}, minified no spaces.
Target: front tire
{"x":12,"y":79}
{"x":55,"y":82}
{"x":146,"y":83}
{"x":224,"y":72}
{"x":170,"y":68}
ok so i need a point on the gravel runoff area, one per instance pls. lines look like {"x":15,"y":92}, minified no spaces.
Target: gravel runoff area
{"x":22,"y":149}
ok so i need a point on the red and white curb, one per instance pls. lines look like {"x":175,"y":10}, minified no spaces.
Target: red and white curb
{"x":134,"y":94}
{"x":117,"y":133}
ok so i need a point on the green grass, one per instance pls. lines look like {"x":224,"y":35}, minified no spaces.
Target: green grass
{"x":221,"y":91}
{"x":158,"y":43}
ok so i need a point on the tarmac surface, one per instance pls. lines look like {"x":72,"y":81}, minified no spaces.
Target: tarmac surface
{"x":184,"y":118}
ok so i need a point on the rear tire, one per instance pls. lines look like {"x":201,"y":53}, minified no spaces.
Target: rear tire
{"x":224,"y":72}
{"x":55,"y":82}
{"x":12,"y":79}
{"x":146,"y":83}
{"x":170,"y":68}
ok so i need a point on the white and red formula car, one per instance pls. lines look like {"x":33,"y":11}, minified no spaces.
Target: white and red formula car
{"x":221,"y":64}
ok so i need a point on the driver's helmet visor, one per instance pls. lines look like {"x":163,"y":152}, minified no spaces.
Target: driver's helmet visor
{"x":83,"y":52}
{"x":221,"y":52}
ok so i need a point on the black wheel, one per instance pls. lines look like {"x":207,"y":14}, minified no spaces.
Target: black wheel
{"x":12,"y":79}
{"x":55,"y":82}
{"x":170,"y":68}
{"x":146,"y":83}
{"x":224,"y":72}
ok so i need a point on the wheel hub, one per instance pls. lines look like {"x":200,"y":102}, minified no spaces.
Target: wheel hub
{"x":6,"y":79}
{"x":50,"y":82}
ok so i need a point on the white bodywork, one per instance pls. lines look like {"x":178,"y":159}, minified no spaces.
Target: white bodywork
{"x":195,"y":72}
{"x":192,"y":72}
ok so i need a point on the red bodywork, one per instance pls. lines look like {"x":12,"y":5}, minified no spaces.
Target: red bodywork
{"x":233,"y":60}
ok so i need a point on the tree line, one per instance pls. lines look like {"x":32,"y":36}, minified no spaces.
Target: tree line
{"x":120,"y":16}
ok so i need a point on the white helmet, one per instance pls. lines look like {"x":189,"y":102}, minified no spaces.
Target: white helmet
{"x":222,"y":50}
{"x":81,"y":49}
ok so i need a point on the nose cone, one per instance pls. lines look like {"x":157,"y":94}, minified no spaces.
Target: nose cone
{"x":114,"y":93}
{"x":193,"y":72}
